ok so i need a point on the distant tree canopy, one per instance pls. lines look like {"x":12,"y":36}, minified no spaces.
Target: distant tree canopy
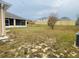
{"x":66,"y":18}
{"x":51,"y":21}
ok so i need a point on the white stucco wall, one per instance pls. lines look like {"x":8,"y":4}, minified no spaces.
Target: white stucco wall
{"x":65,"y":22}
{"x":41,"y":22}
{"x":61,"y":22}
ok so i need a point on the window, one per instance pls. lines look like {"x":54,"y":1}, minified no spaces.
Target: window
{"x":20,"y":22}
{"x":9,"y":21}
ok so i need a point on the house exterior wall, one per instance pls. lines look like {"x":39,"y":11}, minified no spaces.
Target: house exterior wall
{"x":41,"y":21}
{"x":65,"y":22}
{"x":60,"y":22}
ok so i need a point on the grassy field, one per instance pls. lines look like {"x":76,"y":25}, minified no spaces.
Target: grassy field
{"x":41,"y":41}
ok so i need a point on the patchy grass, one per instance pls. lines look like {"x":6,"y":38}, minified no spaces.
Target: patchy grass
{"x":40,"y":41}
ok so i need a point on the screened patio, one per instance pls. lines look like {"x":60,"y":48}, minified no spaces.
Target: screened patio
{"x":9,"y":22}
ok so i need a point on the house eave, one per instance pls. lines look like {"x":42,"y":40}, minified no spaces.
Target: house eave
{"x":6,"y":5}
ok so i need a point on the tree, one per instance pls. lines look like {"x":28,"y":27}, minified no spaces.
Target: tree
{"x":51,"y":21}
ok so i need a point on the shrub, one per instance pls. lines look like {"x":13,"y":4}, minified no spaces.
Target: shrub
{"x":30,"y":22}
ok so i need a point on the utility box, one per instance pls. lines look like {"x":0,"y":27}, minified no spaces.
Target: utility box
{"x":77,"y":39}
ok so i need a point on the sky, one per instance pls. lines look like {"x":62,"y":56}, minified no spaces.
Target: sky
{"x":32,"y":9}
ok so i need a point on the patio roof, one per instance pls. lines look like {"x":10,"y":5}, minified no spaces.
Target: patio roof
{"x":11,"y":15}
{"x":6,"y":5}
{"x":8,"y":14}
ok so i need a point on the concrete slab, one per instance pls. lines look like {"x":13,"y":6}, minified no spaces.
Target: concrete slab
{"x":3,"y":37}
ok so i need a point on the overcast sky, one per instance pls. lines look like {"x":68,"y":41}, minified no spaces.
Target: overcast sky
{"x":42,"y":8}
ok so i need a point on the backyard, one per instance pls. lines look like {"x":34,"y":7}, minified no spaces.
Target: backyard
{"x":40,"y":41}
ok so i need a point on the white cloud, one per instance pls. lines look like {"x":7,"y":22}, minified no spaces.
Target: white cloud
{"x":69,"y":8}
{"x":37,"y":8}
{"x":54,"y":6}
{"x":64,"y":7}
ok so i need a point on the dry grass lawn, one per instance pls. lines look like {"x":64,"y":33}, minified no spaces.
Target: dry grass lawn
{"x":40,"y":41}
